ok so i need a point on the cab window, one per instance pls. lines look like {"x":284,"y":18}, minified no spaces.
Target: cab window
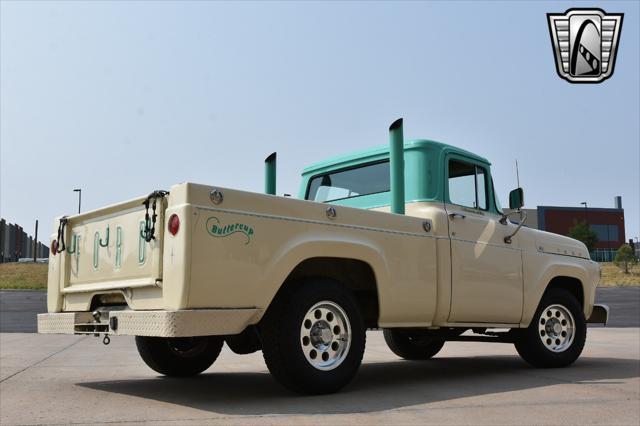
{"x":467,"y":185}
{"x":372,"y":178}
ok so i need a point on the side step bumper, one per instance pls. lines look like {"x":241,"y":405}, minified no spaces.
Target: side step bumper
{"x":185,"y":323}
{"x":600,"y":315}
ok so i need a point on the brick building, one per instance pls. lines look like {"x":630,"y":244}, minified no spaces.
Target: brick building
{"x":16,"y":244}
{"x":607,"y":223}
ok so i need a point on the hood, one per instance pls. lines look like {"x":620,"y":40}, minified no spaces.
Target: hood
{"x":548,"y":242}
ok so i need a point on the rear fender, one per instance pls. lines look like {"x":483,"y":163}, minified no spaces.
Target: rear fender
{"x":328,"y":245}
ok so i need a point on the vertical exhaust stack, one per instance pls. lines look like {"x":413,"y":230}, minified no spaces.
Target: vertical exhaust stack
{"x":396,"y":160}
{"x":270,"y":174}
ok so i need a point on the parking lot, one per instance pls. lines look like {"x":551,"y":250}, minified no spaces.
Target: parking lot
{"x":49,"y":379}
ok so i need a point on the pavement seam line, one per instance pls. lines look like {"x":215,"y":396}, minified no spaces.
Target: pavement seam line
{"x":44,"y":359}
{"x":188,"y":419}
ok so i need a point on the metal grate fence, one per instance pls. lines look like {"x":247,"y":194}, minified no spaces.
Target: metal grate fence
{"x":603,"y":255}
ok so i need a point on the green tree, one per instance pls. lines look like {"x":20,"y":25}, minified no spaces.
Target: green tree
{"x":625,"y":257}
{"x":581,"y":232}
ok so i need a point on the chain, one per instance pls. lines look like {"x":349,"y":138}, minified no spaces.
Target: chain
{"x":148,"y":233}
{"x":60,"y":240}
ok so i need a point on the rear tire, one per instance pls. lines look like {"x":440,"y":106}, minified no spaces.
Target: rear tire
{"x":244,"y":343}
{"x":313,"y":337}
{"x":179,"y":356}
{"x":557,"y":333}
{"x":412,"y":345}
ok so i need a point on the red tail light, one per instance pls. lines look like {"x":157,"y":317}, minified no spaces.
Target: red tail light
{"x":54,"y":247}
{"x":174,"y":224}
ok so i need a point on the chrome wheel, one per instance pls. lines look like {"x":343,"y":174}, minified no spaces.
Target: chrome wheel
{"x":325,"y":335}
{"x":556,"y":328}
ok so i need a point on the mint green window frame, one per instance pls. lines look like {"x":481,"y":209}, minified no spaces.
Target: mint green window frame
{"x":489,"y":191}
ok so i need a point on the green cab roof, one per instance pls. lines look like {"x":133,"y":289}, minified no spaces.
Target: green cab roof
{"x":382,"y":152}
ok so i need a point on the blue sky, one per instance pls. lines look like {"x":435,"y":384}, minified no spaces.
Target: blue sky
{"x":120,"y":98}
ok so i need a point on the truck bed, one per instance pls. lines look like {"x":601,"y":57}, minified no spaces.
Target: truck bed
{"x":236,"y":253}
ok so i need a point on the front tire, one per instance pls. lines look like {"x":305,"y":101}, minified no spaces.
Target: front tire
{"x":412,"y":345}
{"x":557,"y":333}
{"x":179,"y":356}
{"x":313,"y":337}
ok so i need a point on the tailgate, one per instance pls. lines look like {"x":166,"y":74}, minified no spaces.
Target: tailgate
{"x":105,"y":249}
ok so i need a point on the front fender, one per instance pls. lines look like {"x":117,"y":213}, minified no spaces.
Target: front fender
{"x":541,"y":269}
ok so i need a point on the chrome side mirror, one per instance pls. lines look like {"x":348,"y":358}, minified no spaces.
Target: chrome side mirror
{"x":523,"y":219}
{"x":505,"y":216}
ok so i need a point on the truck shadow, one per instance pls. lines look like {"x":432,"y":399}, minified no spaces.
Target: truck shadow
{"x":377,"y":387}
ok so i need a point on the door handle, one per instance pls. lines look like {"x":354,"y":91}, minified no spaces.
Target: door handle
{"x":454,"y":215}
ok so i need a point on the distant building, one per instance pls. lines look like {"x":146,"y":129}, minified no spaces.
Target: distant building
{"x":607,"y":223}
{"x":16,"y":244}
{"x":635,"y":245}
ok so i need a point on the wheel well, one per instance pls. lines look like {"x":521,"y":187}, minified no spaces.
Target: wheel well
{"x":356,"y":275}
{"x":570,"y":284}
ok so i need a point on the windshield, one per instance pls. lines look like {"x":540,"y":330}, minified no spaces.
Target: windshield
{"x":367,"y":179}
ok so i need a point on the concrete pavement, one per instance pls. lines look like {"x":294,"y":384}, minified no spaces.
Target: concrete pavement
{"x":71,"y":379}
{"x":18,"y":310}
{"x":624,"y":304}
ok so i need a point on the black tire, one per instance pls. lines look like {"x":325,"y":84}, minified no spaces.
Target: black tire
{"x":529,"y":342}
{"x":244,"y":343}
{"x":412,"y":345}
{"x":286,"y":351}
{"x":179,"y":356}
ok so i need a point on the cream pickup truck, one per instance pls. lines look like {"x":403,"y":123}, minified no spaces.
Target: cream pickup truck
{"x":409,"y":238}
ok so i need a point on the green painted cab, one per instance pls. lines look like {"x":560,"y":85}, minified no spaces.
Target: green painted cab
{"x":361,"y":179}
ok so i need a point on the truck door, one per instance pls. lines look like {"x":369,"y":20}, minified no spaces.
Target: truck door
{"x":486,"y":272}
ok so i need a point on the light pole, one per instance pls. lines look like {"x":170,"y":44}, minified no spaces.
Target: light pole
{"x":586,"y":220}
{"x":584,"y":203}
{"x":79,"y":191}
{"x":35,"y":243}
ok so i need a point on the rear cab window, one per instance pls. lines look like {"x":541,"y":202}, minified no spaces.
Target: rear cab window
{"x":367,"y":179}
